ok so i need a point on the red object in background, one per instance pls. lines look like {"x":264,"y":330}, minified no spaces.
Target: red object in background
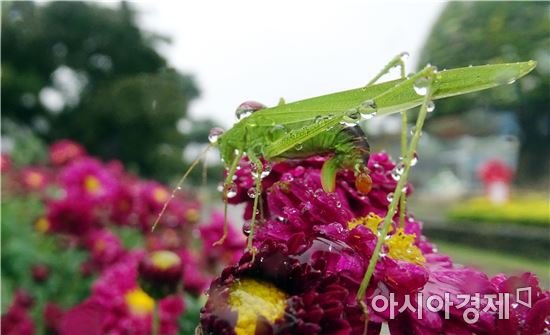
{"x":496,"y":177}
{"x":495,"y":170}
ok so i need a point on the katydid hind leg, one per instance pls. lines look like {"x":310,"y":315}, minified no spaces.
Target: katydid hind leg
{"x":226,"y":186}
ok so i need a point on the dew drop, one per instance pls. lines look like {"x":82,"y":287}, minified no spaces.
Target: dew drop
{"x":413,"y":131}
{"x":247,"y":108}
{"x":214,"y":134}
{"x":368,"y":109}
{"x":220,"y":187}
{"x":231,"y":191}
{"x":299,"y":147}
{"x":430,"y":106}
{"x":351,"y":118}
{"x":414,"y":159}
{"x":404,"y":56}
{"x":421,"y":86}
{"x":266,"y":171}
{"x":389,"y":197}
{"x":511,"y":81}
{"x":277,"y":131}
{"x":251,"y":192}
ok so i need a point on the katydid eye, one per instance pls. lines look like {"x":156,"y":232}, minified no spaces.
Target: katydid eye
{"x":363,"y":183}
{"x":247,"y":108}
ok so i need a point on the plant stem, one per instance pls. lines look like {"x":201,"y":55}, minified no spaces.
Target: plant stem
{"x":156,"y":320}
{"x":398,"y":191}
{"x":403,"y":198}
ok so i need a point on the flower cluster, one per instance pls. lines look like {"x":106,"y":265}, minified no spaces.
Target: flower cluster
{"x":93,"y":206}
{"x":312,"y":249}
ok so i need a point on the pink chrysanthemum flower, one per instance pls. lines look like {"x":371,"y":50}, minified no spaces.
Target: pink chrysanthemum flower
{"x":65,"y":151}
{"x":227,"y":253}
{"x":34,"y":178}
{"x":88,"y":179}
{"x":119,"y":306}
{"x":17,"y":320}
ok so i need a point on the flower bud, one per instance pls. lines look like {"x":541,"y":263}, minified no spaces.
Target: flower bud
{"x":160,"y":273}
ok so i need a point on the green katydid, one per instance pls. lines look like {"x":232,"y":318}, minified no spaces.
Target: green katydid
{"x":328,"y":124}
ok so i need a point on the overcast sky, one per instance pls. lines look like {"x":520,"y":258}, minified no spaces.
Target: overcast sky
{"x":256,"y":50}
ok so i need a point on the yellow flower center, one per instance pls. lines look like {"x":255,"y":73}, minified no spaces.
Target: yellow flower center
{"x":42,"y":225}
{"x":192,"y":215}
{"x":371,"y":221}
{"x":100,"y":245}
{"x":138,"y":302}
{"x":252,"y":298}
{"x":160,"y":195}
{"x":401,"y":247}
{"x":165,"y":259}
{"x":35,"y":179}
{"x":92,"y":184}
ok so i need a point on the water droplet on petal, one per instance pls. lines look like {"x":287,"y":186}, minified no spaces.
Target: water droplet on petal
{"x":251,"y":192}
{"x":266,"y":171}
{"x":231,"y":191}
{"x":214,"y":134}
{"x":421,"y":86}
{"x":389,"y":197}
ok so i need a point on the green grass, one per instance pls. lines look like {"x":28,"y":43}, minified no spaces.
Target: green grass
{"x":493,"y":262}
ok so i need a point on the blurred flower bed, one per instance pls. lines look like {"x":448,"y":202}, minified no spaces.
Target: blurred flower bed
{"x":73,"y":233}
{"x":529,"y":210}
{"x":79,"y":257}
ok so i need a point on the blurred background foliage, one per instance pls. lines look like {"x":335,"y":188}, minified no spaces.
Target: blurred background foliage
{"x":87,"y":72}
{"x":490,"y":32}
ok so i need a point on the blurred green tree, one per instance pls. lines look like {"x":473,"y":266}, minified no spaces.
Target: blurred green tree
{"x":87,"y":72}
{"x":493,"y":32}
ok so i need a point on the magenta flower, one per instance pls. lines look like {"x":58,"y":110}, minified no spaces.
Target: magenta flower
{"x":227,"y":253}
{"x":68,"y":216}
{"x":65,"y":151}
{"x":282,"y":291}
{"x":119,"y":306}
{"x":105,"y":248}
{"x":34,"y":178}
{"x":17,"y":320}
{"x":88,"y":179}
{"x":5,"y":163}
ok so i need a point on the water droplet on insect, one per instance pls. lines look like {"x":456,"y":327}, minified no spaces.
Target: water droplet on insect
{"x":277,"y":132}
{"x":247,"y":108}
{"x":389,"y":197}
{"x":214,"y":134}
{"x":368,"y":109}
{"x":421,"y":86}
{"x":231,"y":191}
{"x":430,"y":106}
{"x":351,"y":118}
{"x":251,"y":192}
